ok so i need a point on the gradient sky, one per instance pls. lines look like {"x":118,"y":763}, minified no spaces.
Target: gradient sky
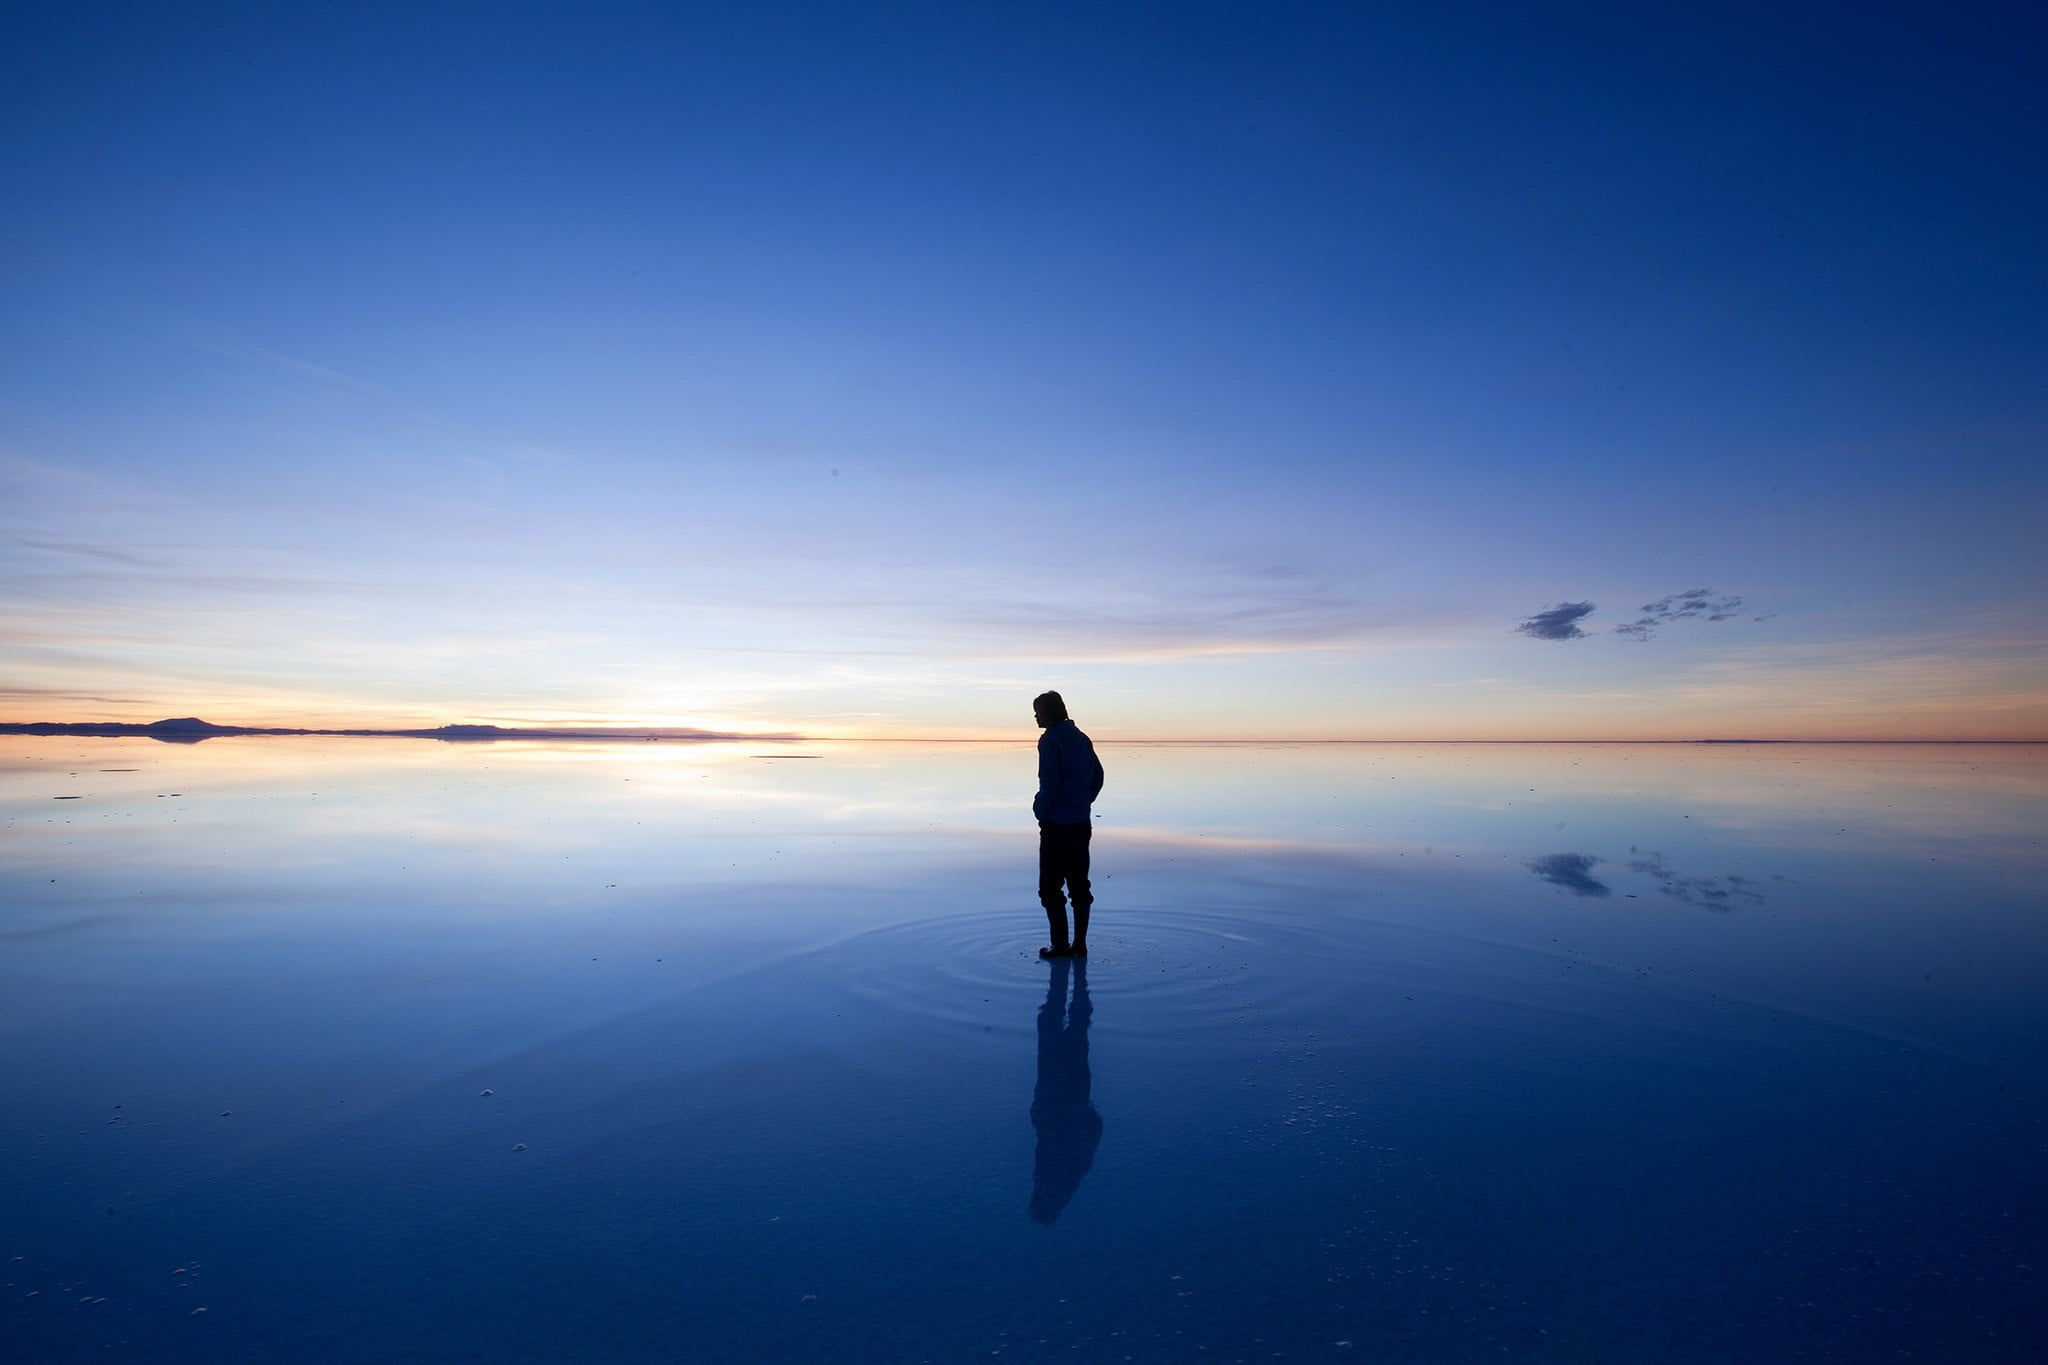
{"x":1241,"y":370}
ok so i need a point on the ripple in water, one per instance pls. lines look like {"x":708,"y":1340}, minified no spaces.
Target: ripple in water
{"x":1160,"y":970}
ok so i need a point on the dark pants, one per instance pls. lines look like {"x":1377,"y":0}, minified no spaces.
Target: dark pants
{"x":1063,"y":858}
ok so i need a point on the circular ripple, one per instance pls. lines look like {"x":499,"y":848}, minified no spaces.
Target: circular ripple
{"x":1164,"y":970}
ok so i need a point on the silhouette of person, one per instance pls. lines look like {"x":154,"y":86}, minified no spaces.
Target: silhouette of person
{"x":1069,"y":780}
{"x":1061,"y":1111}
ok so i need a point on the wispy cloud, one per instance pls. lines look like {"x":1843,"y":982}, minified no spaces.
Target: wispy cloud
{"x":1692,"y":604}
{"x":1560,"y":622}
{"x":103,"y":553}
{"x":1244,"y":618}
{"x":1979,"y":678}
{"x":290,"y":364}
{"x":32,"y":694}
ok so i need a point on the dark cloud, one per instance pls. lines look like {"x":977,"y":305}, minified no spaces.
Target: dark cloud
{"x":1572,"y":871}
{"x":1560,"y":622}
{"x":1692,"y":604}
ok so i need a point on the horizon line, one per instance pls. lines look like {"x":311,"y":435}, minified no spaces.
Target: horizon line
{"x":190,"y":728}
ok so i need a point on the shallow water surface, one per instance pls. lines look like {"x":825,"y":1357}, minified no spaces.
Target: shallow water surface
{"x":365,"y":1050}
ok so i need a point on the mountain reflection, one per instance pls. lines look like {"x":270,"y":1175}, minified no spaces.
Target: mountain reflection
{"x":1061,"y":1110}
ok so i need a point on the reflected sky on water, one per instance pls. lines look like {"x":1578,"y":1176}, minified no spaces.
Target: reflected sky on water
{"x":1585,"y":1052}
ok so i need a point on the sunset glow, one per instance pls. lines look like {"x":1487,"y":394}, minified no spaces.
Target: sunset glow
{"x":1252,"y":375}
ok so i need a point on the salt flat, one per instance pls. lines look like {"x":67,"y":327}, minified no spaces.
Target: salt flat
{"x":394,"y":1050}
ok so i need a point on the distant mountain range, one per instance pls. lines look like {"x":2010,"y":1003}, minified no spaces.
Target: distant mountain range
{"x":191,"y":729}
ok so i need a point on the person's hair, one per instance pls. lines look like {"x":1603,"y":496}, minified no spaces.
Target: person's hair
{"x":1050,"y":705}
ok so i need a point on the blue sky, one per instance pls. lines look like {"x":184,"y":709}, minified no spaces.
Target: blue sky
{"x":1242,"y":370}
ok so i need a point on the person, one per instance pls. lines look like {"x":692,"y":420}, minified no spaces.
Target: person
{"x":1069,"y":780}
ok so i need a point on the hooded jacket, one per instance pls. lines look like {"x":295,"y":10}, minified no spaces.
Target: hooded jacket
{"x":1069,"y":775}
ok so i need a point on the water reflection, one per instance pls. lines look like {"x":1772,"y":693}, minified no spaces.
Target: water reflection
{"x":1713,"y":893}
{"x":1062,"y":1112}
{"x":1409,"y":1085}
{"x":1572,"y":871}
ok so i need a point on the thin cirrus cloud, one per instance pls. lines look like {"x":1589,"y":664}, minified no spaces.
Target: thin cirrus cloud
{"x":278,"y":361}
{"x":42,"y":694}
{"x":1244,"y":618}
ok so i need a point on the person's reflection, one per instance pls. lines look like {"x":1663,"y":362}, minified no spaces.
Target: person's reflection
{"x":1068,"y":1126}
